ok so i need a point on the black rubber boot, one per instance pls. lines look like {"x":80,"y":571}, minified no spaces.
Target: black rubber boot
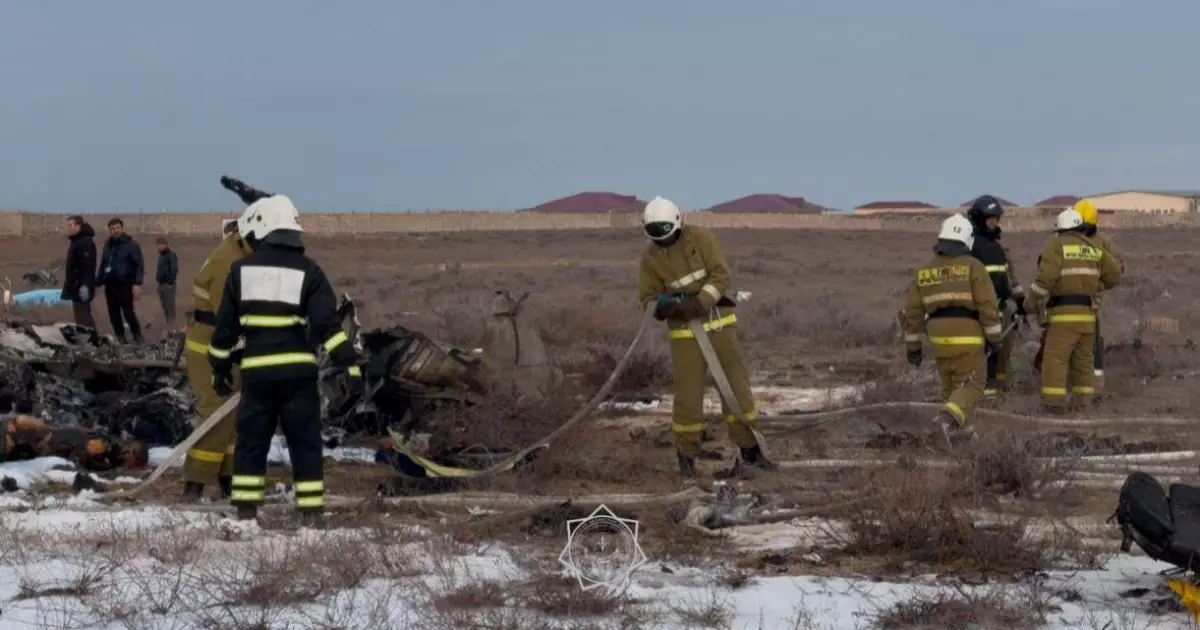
{"x":687,"y":466}
{"x":192,"y":491}
{"x":314,"y":518}
{"x":753,"y":456}
{"x":226,"y":484}
{"x":247,"y":512}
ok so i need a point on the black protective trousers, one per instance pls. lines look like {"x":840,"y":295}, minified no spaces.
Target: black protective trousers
{"x":119,"y":296}
{"x":295,"y":404}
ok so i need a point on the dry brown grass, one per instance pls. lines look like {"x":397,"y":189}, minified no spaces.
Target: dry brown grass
{"x":962,"y":609}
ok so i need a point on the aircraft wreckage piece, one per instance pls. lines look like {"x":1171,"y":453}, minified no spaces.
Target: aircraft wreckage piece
{"x":408,"y":374}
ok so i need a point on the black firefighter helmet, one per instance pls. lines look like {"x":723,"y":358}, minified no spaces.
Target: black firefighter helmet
{"x":983,"y":208}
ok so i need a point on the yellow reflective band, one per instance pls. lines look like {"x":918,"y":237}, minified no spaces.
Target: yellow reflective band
{"x":711,"y":291}
{"x":218,"y":353}
{"x":246,"y":495}
{"x":1067,"y":318}
{"x":1054,"y":391}
{"x":993,"y":330}
{"x":991,"y":392}
{"x":956,"y":411}
{"x":685,"y":333}
{"x":310,"y":486}
{"x":912,"y":338}
{"x":751,"y":416}
{"x":695,"y":276}
{"x":945,"y":297}
{"x":286,"y":358}
{"x":196,"y":346}
{"x":1083,"y":390}
{"x":688,"y":428}
{"x":997,"y":268}
{"x":956,"y":341}
{"x":206,"y":456}
{"x":310,"y":502}
{"x":355,"y":371}
{"x":272,"y":321}
{"x":249,"y":481}
{"x":1080,"y":271}
{"x":1036,"y":288}
{"x":200,"y":293}
{"x":336,"y":340}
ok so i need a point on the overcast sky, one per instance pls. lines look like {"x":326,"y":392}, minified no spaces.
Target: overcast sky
{"x":394,"y":105}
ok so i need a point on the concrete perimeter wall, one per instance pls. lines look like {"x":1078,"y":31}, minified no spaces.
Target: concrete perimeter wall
{"x":369,"y":223}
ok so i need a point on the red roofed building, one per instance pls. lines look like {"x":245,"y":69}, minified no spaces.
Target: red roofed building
{"x":1060,"y":202}
{"x":880,"y":207}
{"x":768,"y":203}
{"x":592,"y":203}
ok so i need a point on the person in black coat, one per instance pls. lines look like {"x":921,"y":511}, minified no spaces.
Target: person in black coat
{"x":80,"y":284}
{"x":121,"y":271}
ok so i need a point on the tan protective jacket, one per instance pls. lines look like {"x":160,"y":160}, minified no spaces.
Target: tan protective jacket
{"x":1073,"y":270}
{"x":209,"y":286}
{"x":695,"y":264}
{"x":961,"y":285}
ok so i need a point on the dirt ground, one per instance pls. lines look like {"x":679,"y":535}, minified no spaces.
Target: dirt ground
{"x":822,"y":313}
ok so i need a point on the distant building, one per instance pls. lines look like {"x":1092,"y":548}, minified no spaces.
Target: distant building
{"x":1148,"y":201}
{"x":768,"y":203}
{"x":591,"y":203}
{"x":904,"y":207}
{"x":1004,"y":203}
{"x":1055,"y":204}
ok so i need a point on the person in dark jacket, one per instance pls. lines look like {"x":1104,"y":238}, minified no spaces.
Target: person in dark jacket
{"x":121,"y":272}
{"x":281,"y":304}
{"x":80,"y":284}
{"x":165,"y":274}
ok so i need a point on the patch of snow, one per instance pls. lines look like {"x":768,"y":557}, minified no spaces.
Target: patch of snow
{"x":816,"y":602}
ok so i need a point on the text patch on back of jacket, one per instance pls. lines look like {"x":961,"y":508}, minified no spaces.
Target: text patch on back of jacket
{"x":933,"y":276}
{"x":1082,"y":252}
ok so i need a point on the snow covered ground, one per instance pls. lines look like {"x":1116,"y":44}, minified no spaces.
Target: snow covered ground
{"x":768,"y":399}
{"x":154,"y":568}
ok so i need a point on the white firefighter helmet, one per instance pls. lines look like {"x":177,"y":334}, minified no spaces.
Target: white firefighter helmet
{"x":957,"y":228}
{"x":661,"y":219}
{"x":1068,"y":219}
{"x":267,"y":215}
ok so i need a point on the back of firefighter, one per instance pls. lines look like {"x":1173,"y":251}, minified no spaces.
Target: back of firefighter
{"x":1072,"y":271}
{"x":280,"y":302}
{"x":952,"y":300}
{"x":687,"y":264}
{"x":1091,"y":224}
{"x":211,"y":459}
{"x":984,"y":215}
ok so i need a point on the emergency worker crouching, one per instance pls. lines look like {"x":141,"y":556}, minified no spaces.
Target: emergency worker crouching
{"x":985,"y":214}
{"x":1072,"y":271}
{"x":685,"y":271}
{"x":210,"y":460}
{"x":281,"y":303}
{"x":951,"y":300}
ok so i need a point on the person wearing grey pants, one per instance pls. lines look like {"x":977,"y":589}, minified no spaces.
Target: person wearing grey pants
{"x":165,"y":275}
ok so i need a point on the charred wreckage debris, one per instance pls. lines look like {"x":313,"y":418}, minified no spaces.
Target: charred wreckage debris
{"x":70,"y":391}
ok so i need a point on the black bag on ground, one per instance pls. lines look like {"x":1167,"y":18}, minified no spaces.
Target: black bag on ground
{"x":1165,"y":525}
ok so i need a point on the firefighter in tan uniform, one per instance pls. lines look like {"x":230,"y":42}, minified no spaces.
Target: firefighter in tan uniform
{"x":952,"y":300}
{"x":685,"y":271}
{"x":210,"y":460}
{"x":1091,"y":223}
{"x":1072,"y":271}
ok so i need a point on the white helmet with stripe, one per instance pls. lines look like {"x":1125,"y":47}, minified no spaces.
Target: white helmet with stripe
{"x":1068,"y":219}
{"x":267,"y":215}
{"x":661,"y":219}
{"x":957,"y":228}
